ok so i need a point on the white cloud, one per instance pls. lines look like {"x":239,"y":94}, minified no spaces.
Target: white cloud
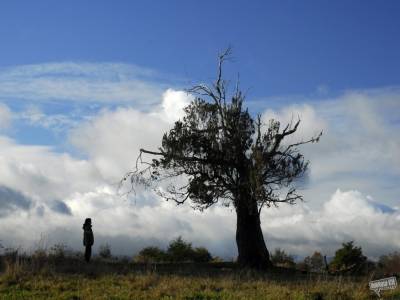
{"x":112,"y":140}
{"x":345,"y":216}
{"x":359,"y":148}
{"x":311,"y":124}
{"x":41,"y":173}
{"x":173,"y":104}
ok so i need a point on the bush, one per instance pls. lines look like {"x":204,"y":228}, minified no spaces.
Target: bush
{"x":151,"y":255}
{"x":390,"y":263}
{"x":315,"y":263}
{"x":58,"y":252}
{"x":201,"y":255}
{"x":105,"y":251}
{"x":281,"y":259}
{"x":39,"y":255}
{"x":216,"y":259}
{"x":180,"y":251}
{"x":10,"y":257}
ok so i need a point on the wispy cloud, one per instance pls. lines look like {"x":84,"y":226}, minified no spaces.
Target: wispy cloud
{"x":89,"y":82}
{"x":34,"y":116}
{"x":5,"y":116}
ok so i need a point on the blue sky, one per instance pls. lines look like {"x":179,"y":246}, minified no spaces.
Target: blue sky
{"x":281,"y":47}
{"x":85,"y":84}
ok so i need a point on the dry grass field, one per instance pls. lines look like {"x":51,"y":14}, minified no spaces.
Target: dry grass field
{"x":72,"y":279}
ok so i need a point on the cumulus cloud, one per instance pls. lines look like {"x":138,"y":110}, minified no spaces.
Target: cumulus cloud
{"x":347,"y":215}
{"x":173,"y":104}
{"x":112,"y":140}
{"x":358,"y":149}
{"x":43,"y":174}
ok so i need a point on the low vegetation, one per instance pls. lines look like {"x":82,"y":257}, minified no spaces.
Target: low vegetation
{"x":178,"y":251}
{"x":177,"y":273}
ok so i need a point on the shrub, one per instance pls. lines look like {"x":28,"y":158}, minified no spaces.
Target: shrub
{"x":201,"y":255}
{"x":281,"y":259}
{"x":39,"y":255}
{"x":10,"y":257}
{"x":315,"y":263}
{"x":390,"y":263}
{"x":105,"y":251}
{"x":180,"y":251}
{"x":151,"y":255}
{"x":217,"y":259}
{"x":302,"y":266}
{"x":58,"y":251}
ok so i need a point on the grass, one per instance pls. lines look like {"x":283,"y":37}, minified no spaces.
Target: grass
{"x":153,"y":286}
{"x":100,"y":280}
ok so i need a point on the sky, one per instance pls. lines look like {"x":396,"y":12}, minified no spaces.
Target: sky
{"x":84,"y":85}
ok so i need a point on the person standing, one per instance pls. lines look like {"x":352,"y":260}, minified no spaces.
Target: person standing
{"x":88,"y":238}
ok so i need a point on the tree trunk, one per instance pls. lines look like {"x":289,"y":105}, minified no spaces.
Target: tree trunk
{"x":253,"y":252}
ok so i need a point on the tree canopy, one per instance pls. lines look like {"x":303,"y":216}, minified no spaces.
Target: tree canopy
{"x":348,"y":258}
{"x":223,"y":154}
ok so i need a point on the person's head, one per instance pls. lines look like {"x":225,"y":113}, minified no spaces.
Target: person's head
{"x":88,"y":221}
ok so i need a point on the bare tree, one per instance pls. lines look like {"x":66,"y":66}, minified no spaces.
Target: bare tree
{"x":226,"y":156}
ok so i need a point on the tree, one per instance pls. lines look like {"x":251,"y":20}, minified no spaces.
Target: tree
{"x":349,"y":258}
{"x":315,"y":263}
{"x":222,"y":154}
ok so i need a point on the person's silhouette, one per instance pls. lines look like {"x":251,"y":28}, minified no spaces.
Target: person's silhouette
{"x":88,"y":238}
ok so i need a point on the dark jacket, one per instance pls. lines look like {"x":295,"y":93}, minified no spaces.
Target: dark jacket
{"x":88,"y":238}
